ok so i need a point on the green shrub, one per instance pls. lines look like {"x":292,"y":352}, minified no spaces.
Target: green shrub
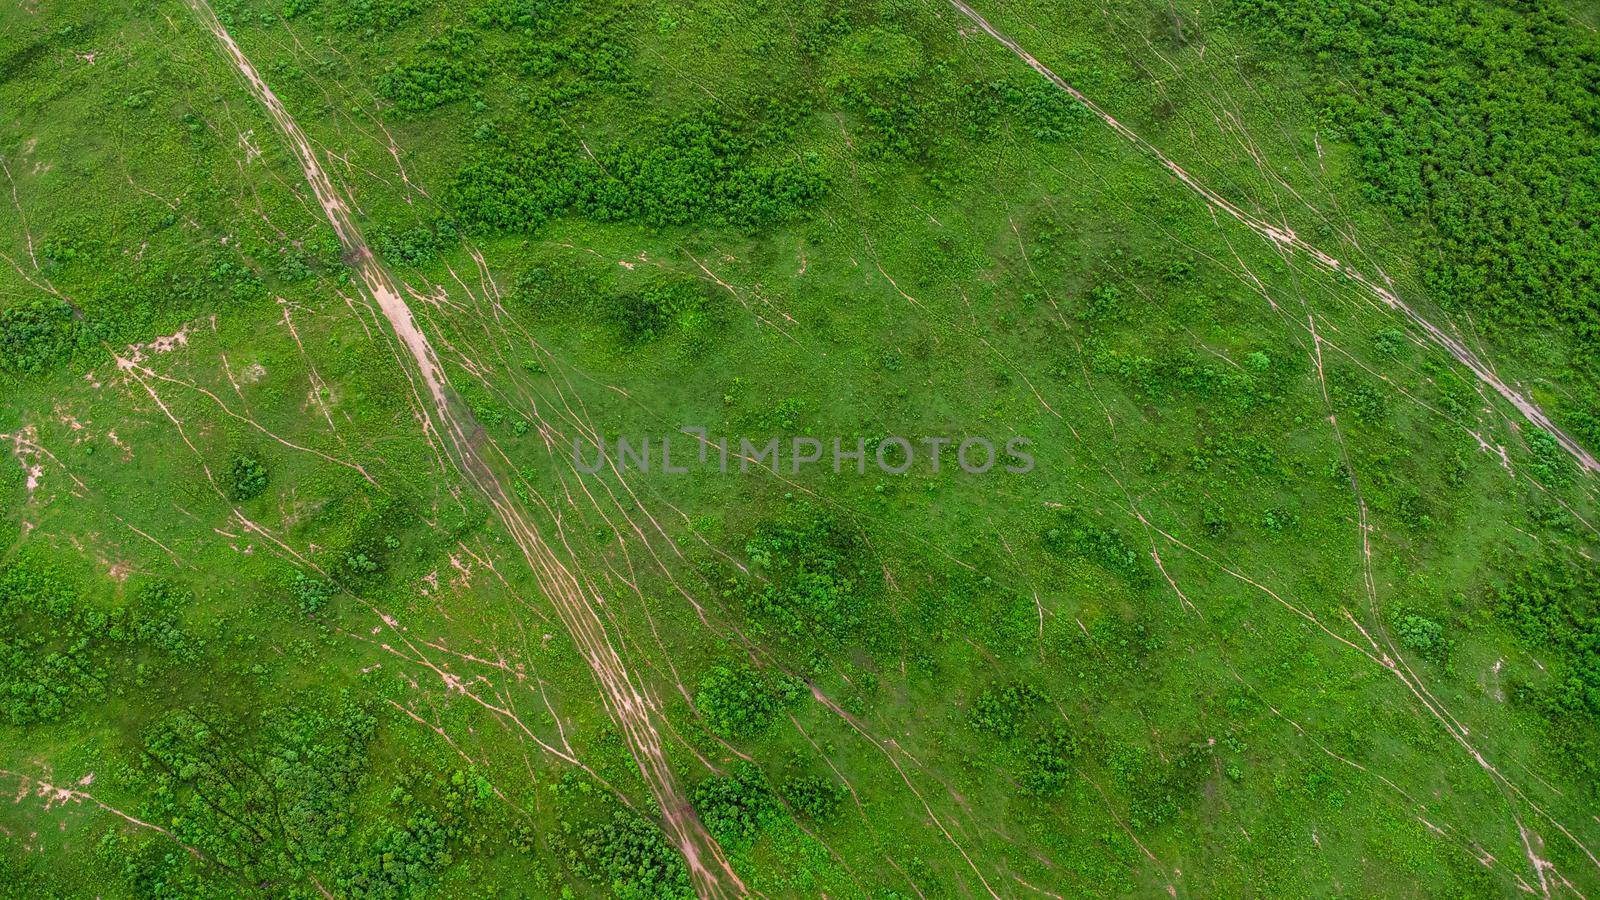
{"x":1422,"y":635}
{"x":311,"y":594}
{"x":1047,"y":761}
{"x":1478,"y":121}
{"x":738,"y":807}
{"x":1003,"y":711}
{"x":246,"y":479}
{"x":634,"y":859}
{"x":739,"y":702}
{"x":812,"y":599}
{"x":814,"y":797}
{"x":36,"y":336}
{"x":443,"y":70}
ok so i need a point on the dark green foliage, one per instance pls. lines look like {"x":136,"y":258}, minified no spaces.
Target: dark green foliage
{"x":736,"y":808}
{"x":821,"y":25}
{"x":1551,"y":464}
{"x":631,"y":858}
{"x":246,"y":479}
{"x":679,"y":304}
{"x":1585,"y":422}
{"x":380,"y":14}
{"x":18,"y":56}
{"x":36,"y":336}
{"x":347,"y":15}
{"x":1047,"y":762}
{"x":272,"y":799}
{"x":518,"y":185}
{"x":510,"y":14}
{"x":814,"y":797}
{"x":1002,"y":712}
{"x":1555,"y":608}
{"x":541,"y":291}
{"x":267,"y":797}
{"x":311,"y":594}
{"x":1356,"y":395}
{"x":589,"y":57}
{"x":154,"y":619}
{"x":691,"y":170}
{"x":812,"y":598}
{"x":443,"y":70}
{"x":413,"y":246}
{"x":358,"y":568}
{"x":60,"y":648}
{"x":1074,"y":534}
{"x":1046,"y":111}
{"x":52,"y":646}
{"x":739,"y":702}
{"x":404,"y":861}
{"x":1479,"y":120}
{"x":1422,"y":635}
{"x":1017,"y":718}
{"x":1104,"y":305}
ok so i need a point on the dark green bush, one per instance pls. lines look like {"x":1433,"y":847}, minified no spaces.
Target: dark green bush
{"x":739,"y":702}
{"x":738,"y":807}
{"x":246,"y":479}
{"x":36,"y":336}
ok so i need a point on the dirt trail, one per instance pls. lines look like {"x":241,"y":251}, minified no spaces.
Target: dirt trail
{"x":1286,"y":238}
{"x":627,"y":705}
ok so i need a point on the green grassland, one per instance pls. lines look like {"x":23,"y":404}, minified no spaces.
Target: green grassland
{"x":1291,"y":603}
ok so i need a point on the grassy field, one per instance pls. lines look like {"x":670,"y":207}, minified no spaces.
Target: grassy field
{"x":304,"y":303}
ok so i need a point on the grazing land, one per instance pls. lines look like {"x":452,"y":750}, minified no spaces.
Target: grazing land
{"x":327,"y":328}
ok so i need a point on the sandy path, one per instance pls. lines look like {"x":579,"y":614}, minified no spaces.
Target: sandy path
{"x":1286,"y":238}
{"x":625,"y":703}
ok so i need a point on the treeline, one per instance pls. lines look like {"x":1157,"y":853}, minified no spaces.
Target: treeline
{"x":277,"y":799}
{"x":738,"y":162}
{"x":42,"y":333}
{"x":696,"y":169}
{"x":61,"y":649}
{"x":1481,"y":122}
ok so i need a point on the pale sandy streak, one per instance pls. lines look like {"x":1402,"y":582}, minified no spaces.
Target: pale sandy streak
{"x":710,"y":870}
{"x":1285,"y":237}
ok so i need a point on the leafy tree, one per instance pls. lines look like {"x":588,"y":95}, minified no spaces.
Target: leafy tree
{"x":1047,"y":761}
{"x":737,"y":807}
{"x":739,"y":702}
{"x":269,"y":794}
{"x":403,"y":862}
{"x":814,"y":797}
{"x":1003,"y":711}
{"x":247,"y":478}
{"x":634,"y":859}
{"x":1422,"y":635}
{"x":36,"y":335}
{"x":812,"y":597}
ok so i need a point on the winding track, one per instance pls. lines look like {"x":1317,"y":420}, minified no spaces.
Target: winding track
{"x":712,"y":875}
{"x":1284,"y":237}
